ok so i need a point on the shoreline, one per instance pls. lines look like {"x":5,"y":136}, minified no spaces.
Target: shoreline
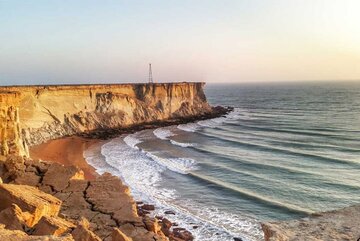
{"x":67,"y":151}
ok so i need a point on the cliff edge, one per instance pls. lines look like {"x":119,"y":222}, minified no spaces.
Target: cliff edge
{"x":31,"y":115}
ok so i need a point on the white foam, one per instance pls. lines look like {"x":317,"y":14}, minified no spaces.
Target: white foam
{"x":189,"y":127}
{"x":136,"y":169}
{"x":179,"y":165}
{"x":163,"y":133}
{"x":182,"y":144}
{"x":132,"y":141}
{"x":142,"y":172}
{"x":212,"y":123}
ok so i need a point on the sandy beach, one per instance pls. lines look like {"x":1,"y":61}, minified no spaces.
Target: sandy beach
{"x":67,"y":151}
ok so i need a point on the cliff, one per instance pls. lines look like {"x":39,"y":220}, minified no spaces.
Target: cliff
{"x":41,"y":113}
{"x":10,"y":138}
{"x":49,"y":201}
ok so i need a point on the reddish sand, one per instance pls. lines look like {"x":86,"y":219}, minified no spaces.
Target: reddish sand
{"x":67,"y":151}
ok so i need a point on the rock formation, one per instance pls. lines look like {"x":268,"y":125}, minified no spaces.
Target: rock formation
{"x":49,"y":112}
{"x":10,"y":131}
{"x":335,"y":225}
{"x":48,"y":201}
{"x":63,"y":203}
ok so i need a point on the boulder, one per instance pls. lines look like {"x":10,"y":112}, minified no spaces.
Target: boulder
{"x":52,"y":226}
{"x":14,"y":219}
{"x":183,"y":234}
{"x":29,"y":199}
{"x":58,"y":176}
{"x":37,"y":165}
{"x":148,"y":207}
{"x":151,"y":224}
{"x":14,"y":166}
{"x":82,"y":232}
{"x":140,"y":233}
{"x":118,"y":235}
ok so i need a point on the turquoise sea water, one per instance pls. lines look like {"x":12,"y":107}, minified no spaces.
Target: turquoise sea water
{"x":284,"y":152}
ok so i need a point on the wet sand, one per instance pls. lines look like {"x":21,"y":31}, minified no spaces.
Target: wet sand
{"x":67,"y":151}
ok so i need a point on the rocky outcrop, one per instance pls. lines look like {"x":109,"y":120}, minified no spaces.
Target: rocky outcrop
{"x":100,"y":209}
{"x":336,"y":225}
{"x":49,"y":112}
{"x":10,"y":130}
{"x":29,"y":199}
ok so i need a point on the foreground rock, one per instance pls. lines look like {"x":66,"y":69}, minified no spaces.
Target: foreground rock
{"x":14,"y":218}
{"x":29,"y":199}
{"x":52,"y":225}
{"x":58,"y":190}
{"x":343,"y":224}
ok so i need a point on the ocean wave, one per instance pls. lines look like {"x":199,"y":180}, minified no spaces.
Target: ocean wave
{"x":163,"y":133}
{"x":142,"y":172}
{"x":132,"y":141}
{"x":253,"y":196}
{"x":189,"y":127}
{"x":236,"y":114}
{"x":179,"y":165}
{"x":182,"y":144}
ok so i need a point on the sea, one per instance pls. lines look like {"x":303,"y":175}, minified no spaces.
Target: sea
{"x":286,"y":151}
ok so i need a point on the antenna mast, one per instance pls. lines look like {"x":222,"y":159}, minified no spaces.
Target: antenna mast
{"x":150,"y":74}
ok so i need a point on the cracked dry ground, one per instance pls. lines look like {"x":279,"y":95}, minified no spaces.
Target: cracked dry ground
{"x":105,"y":202}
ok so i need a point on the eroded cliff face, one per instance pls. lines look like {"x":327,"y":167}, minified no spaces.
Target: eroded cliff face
{"x":41,"y":113}
{"x":10,"y":132}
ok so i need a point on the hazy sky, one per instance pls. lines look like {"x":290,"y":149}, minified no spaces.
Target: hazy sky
{"x":47,"y":41}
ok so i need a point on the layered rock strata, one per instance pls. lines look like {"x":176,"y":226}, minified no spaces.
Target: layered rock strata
{"x":10,"y":130}
{"x":64,"y":205}
{"x":49,"y":112}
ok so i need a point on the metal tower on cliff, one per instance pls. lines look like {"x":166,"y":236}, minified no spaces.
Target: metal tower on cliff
{"x":150,"y":74}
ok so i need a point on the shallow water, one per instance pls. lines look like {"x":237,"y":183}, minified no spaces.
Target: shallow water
{"x":284,"y":152}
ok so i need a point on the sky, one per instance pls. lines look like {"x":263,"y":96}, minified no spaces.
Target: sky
{"x":104,"y":41}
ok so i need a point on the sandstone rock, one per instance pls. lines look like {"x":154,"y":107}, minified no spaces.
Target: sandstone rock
{"x":27,"y":178}
{"x":117,"y":235}
{"x":58,"y":176}
{"x":102,"y":224}
{"x":82,"y":232}
{"x":14,"y":166}
{"x":167,"y":223}
{"x":14,"y":219}
{"x":183,"y":234}
{"x":49,"y":238}
{"x":137,"y":233}
{"x":29,"y":199}
{"x":12,"y":235}
{"x":148,"y":207}
{"x":52,"y":226}
{"x":49,"y":112}
{"x":36,"y":165}
{"x":108,"y":195}
{"x":152,"y":224}
{"x":340,"y":224}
